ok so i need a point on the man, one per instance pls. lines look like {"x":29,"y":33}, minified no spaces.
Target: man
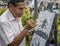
{"x":11,"y":31}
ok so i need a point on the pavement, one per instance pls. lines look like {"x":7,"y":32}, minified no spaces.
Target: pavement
{"x":51,"y":45}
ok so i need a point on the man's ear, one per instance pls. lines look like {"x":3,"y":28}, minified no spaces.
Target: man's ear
{"x":10,"y":6}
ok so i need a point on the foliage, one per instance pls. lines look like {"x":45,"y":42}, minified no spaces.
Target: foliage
{"x":58,"y":28}
{"x":2,"y":10}
{"x":26,"y":16}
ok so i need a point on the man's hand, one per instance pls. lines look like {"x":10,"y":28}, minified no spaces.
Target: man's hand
{"x":30,"y":24}
{"x":18,"y":39}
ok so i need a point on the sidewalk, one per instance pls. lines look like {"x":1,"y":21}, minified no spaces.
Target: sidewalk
{"x":51,"y":45}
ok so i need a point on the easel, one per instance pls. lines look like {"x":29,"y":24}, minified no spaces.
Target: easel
{"x":54,"y":28}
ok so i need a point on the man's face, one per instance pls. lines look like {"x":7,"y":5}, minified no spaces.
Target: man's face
{"x":18,"y":10}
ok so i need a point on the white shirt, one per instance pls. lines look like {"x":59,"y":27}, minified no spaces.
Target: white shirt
{"x":9,"y":29}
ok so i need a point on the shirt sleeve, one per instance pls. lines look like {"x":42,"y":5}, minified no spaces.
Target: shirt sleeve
{"x":6,"y":33}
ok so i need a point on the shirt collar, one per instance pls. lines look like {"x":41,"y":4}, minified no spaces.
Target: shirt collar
{"x":10,"y":16}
